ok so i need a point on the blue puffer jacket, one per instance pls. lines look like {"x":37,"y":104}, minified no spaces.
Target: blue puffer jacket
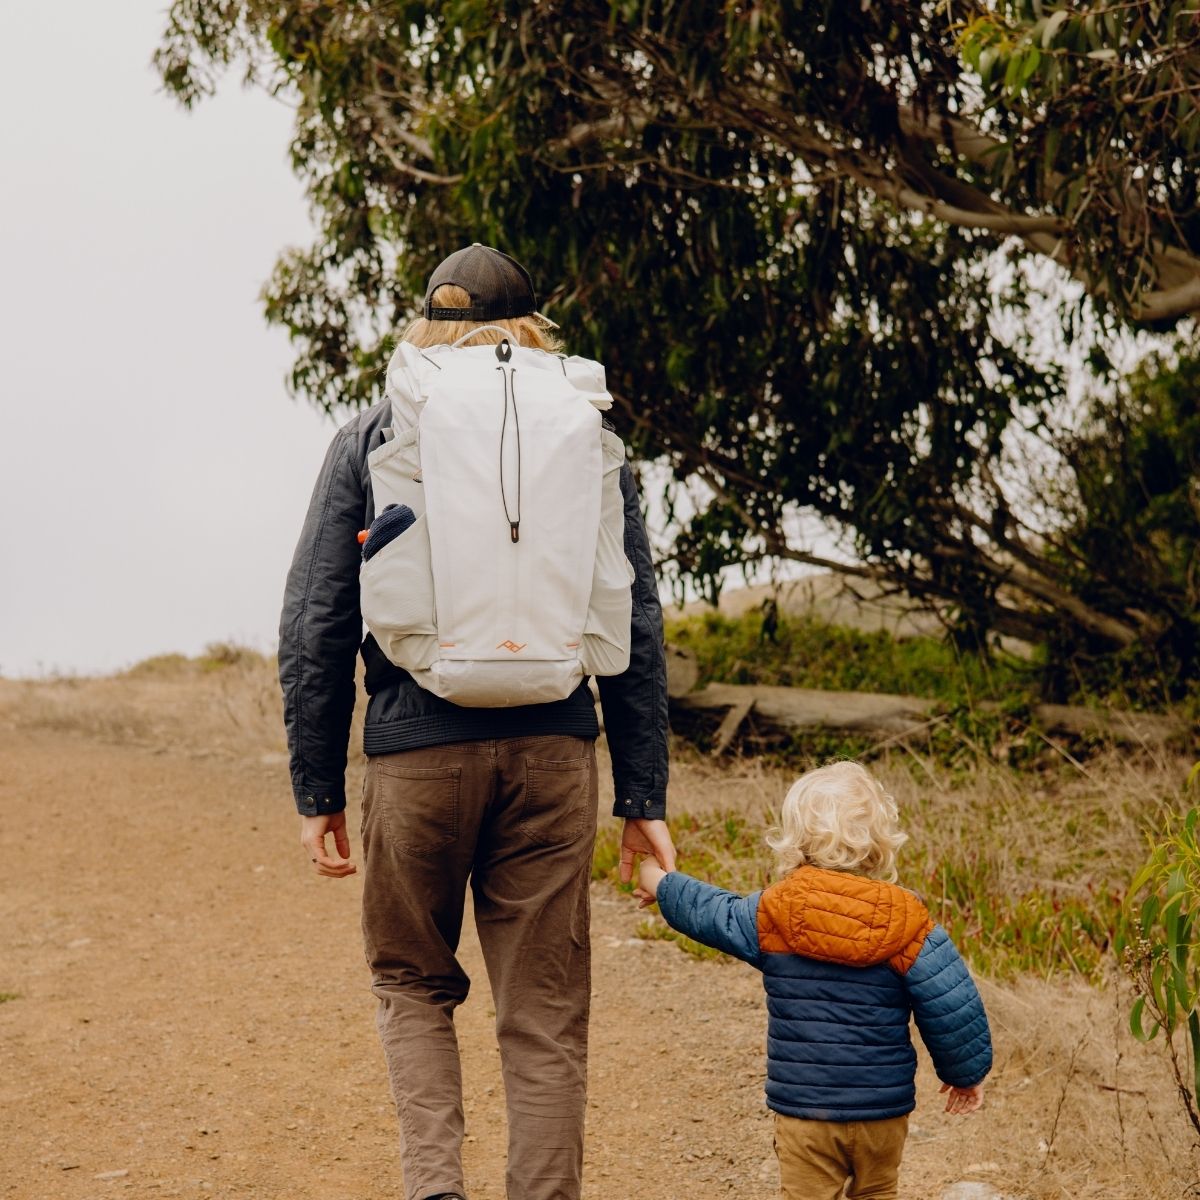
{"x":845,"y":961}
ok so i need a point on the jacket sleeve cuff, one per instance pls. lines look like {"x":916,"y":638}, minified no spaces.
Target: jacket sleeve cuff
{"x":319,"y":803}
{"x":650,"y":808}
{"x":666,"y":895}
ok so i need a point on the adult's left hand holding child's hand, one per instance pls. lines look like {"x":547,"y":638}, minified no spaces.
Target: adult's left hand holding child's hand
{"x":963,"y":1100}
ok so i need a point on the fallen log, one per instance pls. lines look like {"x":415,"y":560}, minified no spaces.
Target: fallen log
{"x":794,"y":710}
{"x":683,"y":671}
{"x":1114,"y":723}
{"x":734,"y":719}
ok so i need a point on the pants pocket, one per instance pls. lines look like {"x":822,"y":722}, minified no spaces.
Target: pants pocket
{"x":558,"y":795}
{"x":418,"y":807}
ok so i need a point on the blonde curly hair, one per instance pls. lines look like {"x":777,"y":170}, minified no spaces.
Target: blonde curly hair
{"x":840,"y":818}
{"x":533,"y":331}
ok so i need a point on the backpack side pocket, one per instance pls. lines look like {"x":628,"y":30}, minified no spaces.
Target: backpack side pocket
{"x":604,"y":646}
{"x":396,"y":594}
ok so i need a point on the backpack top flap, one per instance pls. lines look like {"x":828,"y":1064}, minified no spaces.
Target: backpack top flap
{"x":412,"y":372}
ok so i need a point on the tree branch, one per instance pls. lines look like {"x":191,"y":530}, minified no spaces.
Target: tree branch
{"x":1001,"y":221}
{"x":1027,"y":580}
{"x":383,"y":122}
{"x":416,"y":172}
{"x":587,"y":132}
{"x":1098,"y":623}
{"x":1174,"y":266}
{"x":1167,"y":305}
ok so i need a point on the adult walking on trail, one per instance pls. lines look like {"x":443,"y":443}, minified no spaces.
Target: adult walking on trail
{"x":503,"y":561}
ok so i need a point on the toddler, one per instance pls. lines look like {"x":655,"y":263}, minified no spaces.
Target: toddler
{"x":846,"y":956}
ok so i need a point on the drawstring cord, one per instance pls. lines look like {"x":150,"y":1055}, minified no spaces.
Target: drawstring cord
{"x":514,"y":526}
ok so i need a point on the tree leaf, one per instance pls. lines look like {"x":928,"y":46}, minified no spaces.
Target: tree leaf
{"x":1029,"y":65}
{"x":987,"y":63}
{"x":1053,"y":24}
{"x":1136,"y":1016}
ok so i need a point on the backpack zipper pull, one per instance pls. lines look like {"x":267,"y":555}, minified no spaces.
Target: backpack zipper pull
{"x":509,"y":386}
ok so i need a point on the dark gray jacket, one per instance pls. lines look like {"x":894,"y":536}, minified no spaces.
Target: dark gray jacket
{"x":321,"y":631}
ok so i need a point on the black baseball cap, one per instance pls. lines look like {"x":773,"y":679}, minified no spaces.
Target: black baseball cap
{"x":498,"y":285}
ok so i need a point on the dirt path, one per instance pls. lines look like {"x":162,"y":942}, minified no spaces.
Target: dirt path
{"x":191,"y":1017}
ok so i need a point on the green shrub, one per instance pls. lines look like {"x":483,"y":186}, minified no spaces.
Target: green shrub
{"x":809,"y":653}
{"x":1162,"y":954}
{"x":983,"y":704}
{"x":218,"y":655}
{"x":159,"y":666}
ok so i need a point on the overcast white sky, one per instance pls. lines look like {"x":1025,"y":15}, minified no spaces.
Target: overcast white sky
{"x":153,"y":470}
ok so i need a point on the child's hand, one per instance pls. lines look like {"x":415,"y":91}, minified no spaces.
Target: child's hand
{"x":963,"y":1100}
{"x":650,"y":875}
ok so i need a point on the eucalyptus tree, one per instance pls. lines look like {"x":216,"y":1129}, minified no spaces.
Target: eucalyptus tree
{"x":777,"y":223}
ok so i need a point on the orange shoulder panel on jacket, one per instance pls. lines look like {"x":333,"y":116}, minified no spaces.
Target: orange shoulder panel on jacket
{"x":834,"y":916}
{"x":915,"y":927}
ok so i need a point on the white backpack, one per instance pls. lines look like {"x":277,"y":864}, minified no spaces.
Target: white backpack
{"x":512,"y":583}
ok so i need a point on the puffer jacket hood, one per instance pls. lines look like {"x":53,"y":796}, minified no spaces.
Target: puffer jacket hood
{"x":836,"y":917}
{"x":411,"y":371}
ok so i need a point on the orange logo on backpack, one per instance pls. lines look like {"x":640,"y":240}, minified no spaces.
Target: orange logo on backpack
{"x":511,"y":645}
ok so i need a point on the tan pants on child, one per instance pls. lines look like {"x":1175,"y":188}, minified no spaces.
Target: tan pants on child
{"x":818,"y":1158}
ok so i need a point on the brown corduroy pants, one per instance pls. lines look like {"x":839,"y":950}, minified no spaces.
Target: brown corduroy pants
{"x":516,"y":817}
{"x":818,"y":1158}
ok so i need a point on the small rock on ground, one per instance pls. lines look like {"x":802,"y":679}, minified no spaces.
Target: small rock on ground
{"x":969,"y":1189}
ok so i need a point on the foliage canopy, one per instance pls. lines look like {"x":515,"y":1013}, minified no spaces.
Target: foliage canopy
{"x":776,"y":223}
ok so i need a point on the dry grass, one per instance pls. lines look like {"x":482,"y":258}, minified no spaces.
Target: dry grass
{"x":224,"y":703}
{"x":1077,"y":1108}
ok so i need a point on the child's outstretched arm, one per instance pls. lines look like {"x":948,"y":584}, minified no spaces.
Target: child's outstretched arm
{"x":952,"y":1021}
{"x":721,"y":919}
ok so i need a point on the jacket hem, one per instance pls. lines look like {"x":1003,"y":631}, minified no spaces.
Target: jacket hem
{"x":832,"y":1113}
{"x":439,"y":729}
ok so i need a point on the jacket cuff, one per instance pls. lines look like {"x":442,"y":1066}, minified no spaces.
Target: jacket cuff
{"x":319,"y":802}
{"x":652,"y":808}
{"x":666,"y":895}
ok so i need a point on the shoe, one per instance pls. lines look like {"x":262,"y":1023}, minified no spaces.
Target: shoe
{"x":447,"y":1196}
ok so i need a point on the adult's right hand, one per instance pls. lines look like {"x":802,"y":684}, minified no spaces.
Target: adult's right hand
{"x":313,"y":831}
{"x":642,"y":837}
